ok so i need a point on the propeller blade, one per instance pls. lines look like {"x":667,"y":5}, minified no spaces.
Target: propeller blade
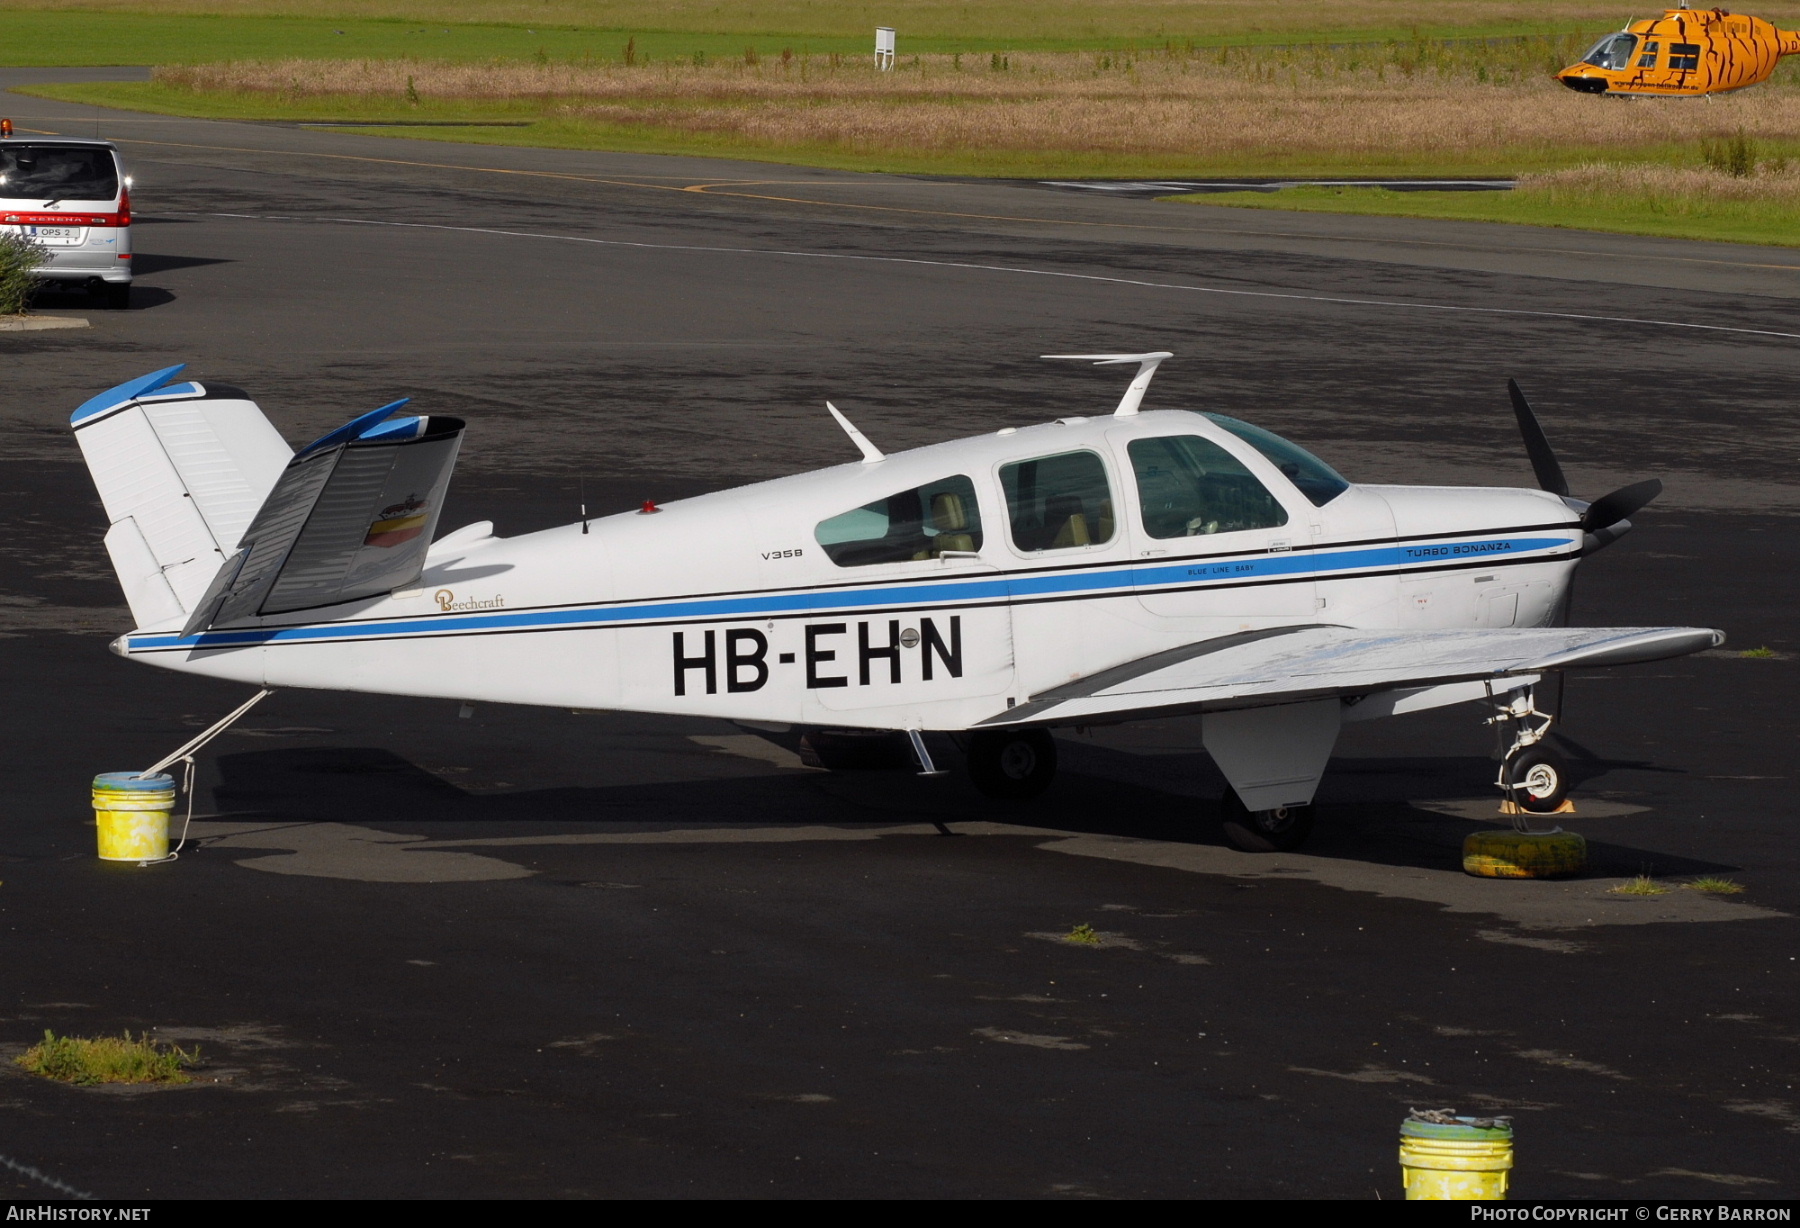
{"x":1609,"y":510}
{"x":1543,"y":460}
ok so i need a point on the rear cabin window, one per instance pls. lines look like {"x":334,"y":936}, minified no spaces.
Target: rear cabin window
{"x":1058,"y":502}
{"x":1191,"y":487}
{"x":922,"y":523}
{"x":49,"y":172}
{"x":1684,"y":57}
{"x":1312,"y":477}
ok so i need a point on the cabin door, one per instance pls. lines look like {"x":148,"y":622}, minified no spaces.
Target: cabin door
{"x":1211,"y":543}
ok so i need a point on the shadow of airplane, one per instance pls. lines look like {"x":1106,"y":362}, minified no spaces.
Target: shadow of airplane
{"x":1370,"y":820}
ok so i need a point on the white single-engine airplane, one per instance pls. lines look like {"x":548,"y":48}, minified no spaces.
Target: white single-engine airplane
{"x":1080,"y":572}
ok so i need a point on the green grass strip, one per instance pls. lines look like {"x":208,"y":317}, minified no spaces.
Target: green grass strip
{"x":1723,"y":221}
{"x":77,"y":37}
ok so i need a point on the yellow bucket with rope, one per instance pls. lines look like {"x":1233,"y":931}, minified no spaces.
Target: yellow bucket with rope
{"x":132,"y":815}
{"x":1444,"y":1157}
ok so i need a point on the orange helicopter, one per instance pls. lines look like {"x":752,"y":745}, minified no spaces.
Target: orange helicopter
{"x":1684,"y":53}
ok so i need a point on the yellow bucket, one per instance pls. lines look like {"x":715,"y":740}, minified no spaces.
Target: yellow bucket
{"x":1466,"y":1160}
{"x":132,"y":815}
{"x":1515,"y":854}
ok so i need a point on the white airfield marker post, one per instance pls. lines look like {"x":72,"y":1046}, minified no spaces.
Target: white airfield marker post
{"x":884,"y":47}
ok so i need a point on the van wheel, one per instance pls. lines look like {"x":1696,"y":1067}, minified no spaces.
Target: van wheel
{"x":1263,"y":831}
{"x":1012,"y":765}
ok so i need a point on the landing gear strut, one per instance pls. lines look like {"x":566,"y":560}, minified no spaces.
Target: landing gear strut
{"x":1534,"y":777}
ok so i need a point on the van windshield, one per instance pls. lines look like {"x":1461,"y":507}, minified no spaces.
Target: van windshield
{"x":57,"y":172}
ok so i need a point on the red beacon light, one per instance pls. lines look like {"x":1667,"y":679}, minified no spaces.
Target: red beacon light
{"x":5,"y":127}
{"x":649,"y":508}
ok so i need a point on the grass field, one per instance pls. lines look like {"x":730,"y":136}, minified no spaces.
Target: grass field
{"x":1160,"y":91}
{"x":80,"y":38}
{"x":1415,"y":108}
{"x":943,"y":26}
{"x":1677,"y":203}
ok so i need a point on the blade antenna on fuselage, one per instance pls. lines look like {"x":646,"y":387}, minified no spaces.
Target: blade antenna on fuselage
{"x":1543,"y":459}
{"x":869,"y":451}
{"x":1134,"y":395}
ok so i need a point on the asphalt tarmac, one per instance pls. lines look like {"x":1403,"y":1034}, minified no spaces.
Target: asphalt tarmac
{"x":542,"y":954}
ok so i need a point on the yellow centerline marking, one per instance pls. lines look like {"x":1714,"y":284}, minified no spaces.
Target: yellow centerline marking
{"x":708,"y":189}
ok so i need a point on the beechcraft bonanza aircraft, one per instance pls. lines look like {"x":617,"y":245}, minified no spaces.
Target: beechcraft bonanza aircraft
{"x":1078,"y":572}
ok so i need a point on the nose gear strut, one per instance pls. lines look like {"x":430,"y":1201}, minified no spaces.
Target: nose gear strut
{"x":1533,"y":776}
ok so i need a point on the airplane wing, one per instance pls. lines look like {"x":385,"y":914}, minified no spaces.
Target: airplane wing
{"x":1285,"y":665}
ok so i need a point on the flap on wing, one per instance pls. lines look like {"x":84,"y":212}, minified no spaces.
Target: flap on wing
{"x":349,"y":518}
{"x":1291,"y":664}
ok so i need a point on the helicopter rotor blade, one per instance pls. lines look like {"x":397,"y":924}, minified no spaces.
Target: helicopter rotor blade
{"x":1609,"y":510}
{"x":1543,"y":459}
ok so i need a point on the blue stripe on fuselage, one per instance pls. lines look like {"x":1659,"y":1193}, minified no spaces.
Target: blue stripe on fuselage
{"x":1297,"y":565}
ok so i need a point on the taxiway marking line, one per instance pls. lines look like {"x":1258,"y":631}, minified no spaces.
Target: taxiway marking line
{"x":1002,"y":268}
{"x":708,"y":189}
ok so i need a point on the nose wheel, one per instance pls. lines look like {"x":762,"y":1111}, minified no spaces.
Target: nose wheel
{"x":1536,"y":779}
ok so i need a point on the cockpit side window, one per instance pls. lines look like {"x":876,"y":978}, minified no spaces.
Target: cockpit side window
{"x":914,"y":525}
{"x":1613,"y":51}
{"x":1058,"y":502}
{"x":1648,"y":59}
{"x":1191,"y":487}
{"x":1312,"y":477}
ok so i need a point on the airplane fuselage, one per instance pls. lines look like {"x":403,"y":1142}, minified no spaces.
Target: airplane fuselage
{"x":932,"y":589}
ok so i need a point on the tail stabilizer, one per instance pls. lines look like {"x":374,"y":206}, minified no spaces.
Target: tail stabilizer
{"x":181,"y":468}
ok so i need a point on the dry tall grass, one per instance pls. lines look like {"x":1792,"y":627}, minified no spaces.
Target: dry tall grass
{"x":1671,"y":189}
{"x":1403,"y":100}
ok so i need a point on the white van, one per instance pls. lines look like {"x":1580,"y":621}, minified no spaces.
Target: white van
{"x":72,"y":197}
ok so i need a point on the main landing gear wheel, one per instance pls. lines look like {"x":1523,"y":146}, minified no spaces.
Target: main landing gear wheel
{"x":1264,"y":831}
{"x":1537,"y":779}
{"x":1012,"y":765}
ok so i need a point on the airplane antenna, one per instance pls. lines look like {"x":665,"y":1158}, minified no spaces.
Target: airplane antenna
{"x":1134,"y":395}
{"x":581,"y":494}
{"x":870,"y":452}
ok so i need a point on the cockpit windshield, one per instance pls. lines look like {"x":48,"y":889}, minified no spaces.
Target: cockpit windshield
{"x":1613,"y":51}
{"x":1312,"y":477}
